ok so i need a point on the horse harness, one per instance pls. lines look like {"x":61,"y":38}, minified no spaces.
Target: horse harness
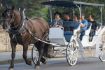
{"x":18,"y":30}
{"x":21,"y":29}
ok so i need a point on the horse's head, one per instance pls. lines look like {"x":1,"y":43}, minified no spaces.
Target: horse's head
{"x":11,"y":18}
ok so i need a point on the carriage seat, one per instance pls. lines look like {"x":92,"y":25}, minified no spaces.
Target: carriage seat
{"x":69,"y":27}
{"x":56,"y":35}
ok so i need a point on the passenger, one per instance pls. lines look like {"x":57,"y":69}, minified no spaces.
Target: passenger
{"x":68,"y":27}
{"x":67,"y":22}
{"x":83,"y":25}
{"x":57,"y":22}
{"x":93,"y":27}
{"x":76,"y":21}
{"x":75,"y":18}
{"x":67,"y":17}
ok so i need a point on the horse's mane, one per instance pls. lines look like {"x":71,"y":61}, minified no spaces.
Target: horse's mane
{"x":39,"y":19}
{"x":18,"y":15}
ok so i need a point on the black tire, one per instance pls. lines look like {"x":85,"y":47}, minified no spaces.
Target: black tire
{"x":35,"y":55}
{"x":72,"y":53}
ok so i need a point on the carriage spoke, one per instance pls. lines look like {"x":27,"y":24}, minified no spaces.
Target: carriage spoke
{"x":102,"y":53}
{"x":72,"y":53}
{"x":35,"y":55}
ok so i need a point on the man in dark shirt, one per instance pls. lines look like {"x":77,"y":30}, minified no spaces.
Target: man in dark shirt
{"x":93,"y":27}
{"x":68,"y":26}
{"x":67,"y":22}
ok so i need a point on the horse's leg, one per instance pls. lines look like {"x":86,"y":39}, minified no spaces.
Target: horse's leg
{"x":13,"y":46}
{"x":44,"y":54}
{"x":40,"y":47}
{"x":25,"y":48}
{"x":45,"y":50}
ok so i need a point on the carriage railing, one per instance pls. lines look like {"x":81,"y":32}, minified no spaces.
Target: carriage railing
{"x":85,"y":41}
{"x":103,"y":38}
{"x":96,"y":43}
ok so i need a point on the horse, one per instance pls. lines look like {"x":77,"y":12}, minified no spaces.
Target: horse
{"x":25,"y":32}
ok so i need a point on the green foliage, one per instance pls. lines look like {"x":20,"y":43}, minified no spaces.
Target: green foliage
{"x":88,"y":10}
{"x":34,"y":8}
{"x":94,"y":10}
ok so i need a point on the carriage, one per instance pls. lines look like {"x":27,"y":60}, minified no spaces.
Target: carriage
{"x":73,"y":46}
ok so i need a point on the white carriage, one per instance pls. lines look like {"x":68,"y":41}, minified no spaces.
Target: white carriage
{"x":74,"y":46}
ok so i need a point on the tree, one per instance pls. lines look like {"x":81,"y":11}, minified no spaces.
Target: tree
{"x":34,"y":7}
{"x":88,"y":10}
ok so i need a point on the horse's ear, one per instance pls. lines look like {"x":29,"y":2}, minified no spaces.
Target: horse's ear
{"x":13,"y":7}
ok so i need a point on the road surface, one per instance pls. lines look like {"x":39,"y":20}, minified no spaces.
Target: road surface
{"x":61,"y":64}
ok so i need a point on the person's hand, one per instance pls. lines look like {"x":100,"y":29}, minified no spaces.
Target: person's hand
{"x":59,"y":26}
{"x":82,"y":25}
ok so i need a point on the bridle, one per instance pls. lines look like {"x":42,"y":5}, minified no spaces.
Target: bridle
{"x":12,"y":28}
{"x":9,"y":22}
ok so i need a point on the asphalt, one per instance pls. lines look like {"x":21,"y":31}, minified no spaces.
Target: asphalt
{"x":5,"y":57}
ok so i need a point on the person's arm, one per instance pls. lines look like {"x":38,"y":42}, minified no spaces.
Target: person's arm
{"x":96,"y":25}
{"x":84,"y":24}
{"x":61,"y":22}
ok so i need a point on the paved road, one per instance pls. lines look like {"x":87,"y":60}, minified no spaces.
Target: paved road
{"x":61,"y":64}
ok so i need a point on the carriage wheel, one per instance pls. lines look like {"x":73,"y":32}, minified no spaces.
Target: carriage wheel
{"x":35,"y":55}
{"x":102,"y":53}
{"x":72,"y":53}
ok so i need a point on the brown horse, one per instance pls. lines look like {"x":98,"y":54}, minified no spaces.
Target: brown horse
{"x":24,"y":31}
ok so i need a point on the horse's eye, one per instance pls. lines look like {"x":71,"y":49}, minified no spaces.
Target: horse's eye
{"x":10,"y":16}
{"x":3,"y":14}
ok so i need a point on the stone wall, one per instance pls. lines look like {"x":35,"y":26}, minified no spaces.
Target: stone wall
{"x":5,"y":42}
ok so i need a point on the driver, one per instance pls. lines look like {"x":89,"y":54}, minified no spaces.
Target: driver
{"x":57,"y":22}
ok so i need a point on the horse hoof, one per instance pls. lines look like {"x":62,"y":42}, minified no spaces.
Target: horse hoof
{"x":11,"y":69}
{"x":37,"y":68}
{"x":29,"y":62}
{"x":43,"y":60}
